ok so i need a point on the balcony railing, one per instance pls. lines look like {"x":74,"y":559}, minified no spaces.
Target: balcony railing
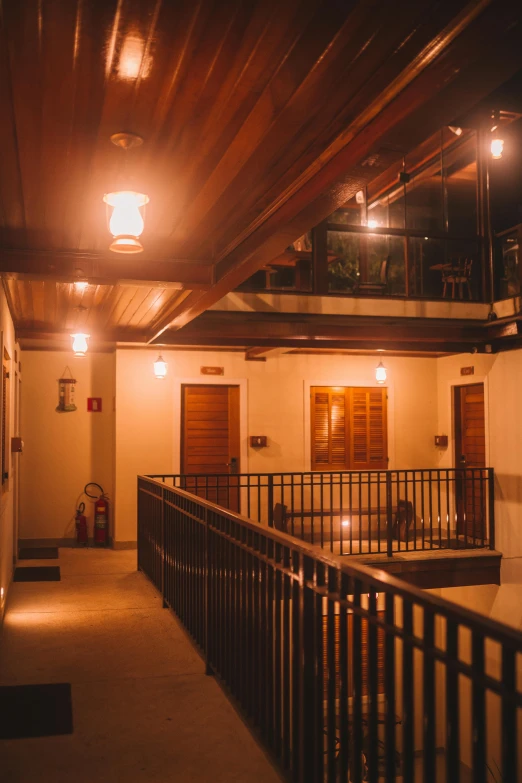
{"x":345,"y":672}
{"x":362,"y":512}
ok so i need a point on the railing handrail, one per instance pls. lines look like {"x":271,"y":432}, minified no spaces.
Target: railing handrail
{"x":464,"y":616}
{"x":319,"y":472}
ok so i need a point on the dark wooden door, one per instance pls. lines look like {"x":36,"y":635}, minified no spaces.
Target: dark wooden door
{"x":210,"y":442}
{"x":470,"y":454}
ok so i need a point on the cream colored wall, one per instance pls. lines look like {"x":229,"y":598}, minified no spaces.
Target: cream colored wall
{"x":148,"y":410}
{"x":7,"y":497}
{"x":64,"y":451}
{"x":502,"y":376}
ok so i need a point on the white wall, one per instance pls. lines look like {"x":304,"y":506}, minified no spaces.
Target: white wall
{"x":6,"y":497}
{"x":64,"y":451}
{"x":148,"y":410}
{"x":502,"y":376}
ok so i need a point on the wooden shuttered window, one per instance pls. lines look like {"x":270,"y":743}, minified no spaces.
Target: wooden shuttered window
{"x":349,"y":428}
{"x":330,"y":434}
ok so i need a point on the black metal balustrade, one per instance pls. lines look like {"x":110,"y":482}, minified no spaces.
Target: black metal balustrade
{"x":345,"y":672}
{"x":361,"y":512}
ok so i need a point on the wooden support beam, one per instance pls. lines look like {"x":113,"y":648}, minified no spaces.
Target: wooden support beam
{"x":257,"y":354}
{"x":105,"y":269}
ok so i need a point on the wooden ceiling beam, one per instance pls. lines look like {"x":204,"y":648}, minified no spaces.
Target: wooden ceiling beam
{"x":104,"y":269}
{"x":257,"y":354}
{"x":264,"y":331}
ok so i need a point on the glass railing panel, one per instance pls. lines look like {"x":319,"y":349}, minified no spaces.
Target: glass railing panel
{"x":366,"y":264}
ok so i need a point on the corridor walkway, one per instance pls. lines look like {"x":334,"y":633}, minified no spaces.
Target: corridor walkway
{"x":143,"y":709}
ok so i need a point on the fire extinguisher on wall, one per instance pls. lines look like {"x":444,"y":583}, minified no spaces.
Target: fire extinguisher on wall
{"x":101,"y":515}
{"x":82,"y":537}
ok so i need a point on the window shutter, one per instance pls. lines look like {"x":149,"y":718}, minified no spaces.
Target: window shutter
{"x":369,"y":447}
{"x":349,"y":430}
{"x":329,"y":409}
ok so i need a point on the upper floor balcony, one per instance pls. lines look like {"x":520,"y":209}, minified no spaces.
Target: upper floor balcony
{"x":420,"y":229}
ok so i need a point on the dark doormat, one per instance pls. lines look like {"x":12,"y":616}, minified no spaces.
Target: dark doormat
{"x":37,"y":574}
{"x":35,"y":710}
{"x":39,"y":553}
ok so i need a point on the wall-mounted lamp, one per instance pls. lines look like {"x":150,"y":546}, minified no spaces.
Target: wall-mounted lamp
{"x":380,"y":373}
{"x":497,"y":148}
{"x":80,"y":286}
{"x":160,"y":368}
{"x":126,"y":222}
{"x":79,"y":344}
{"x":497,"y":143}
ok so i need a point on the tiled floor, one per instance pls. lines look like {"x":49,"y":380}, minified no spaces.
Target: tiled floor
{"x":143,"y":708}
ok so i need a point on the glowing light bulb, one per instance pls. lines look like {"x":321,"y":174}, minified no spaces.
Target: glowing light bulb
{"x":497,"y":148}
{"x":372,"y":224}
{"x":79,"y":344}
{"x":80,"y":286}
{"x":126,"y":223}
{"x":380,"y":373}
{"x":160,"y":368}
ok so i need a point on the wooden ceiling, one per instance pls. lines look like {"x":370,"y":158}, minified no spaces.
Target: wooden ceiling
{"x":259,"y":118}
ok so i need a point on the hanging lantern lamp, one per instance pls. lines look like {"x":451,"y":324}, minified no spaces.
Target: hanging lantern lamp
{"x":380,"y":373}
{"x":125,"y":208}
{"x":79,"y":344}
{"x":160,"y":368}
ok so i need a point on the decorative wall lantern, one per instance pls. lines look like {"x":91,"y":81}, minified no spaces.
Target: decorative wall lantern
{"x":160,"y":368}
{"x":380,"y":373}
{"x":126,"y":220}
{"x":66,"y":388}
{"x":79,"y":344}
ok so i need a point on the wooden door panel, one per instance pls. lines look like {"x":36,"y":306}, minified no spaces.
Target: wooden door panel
{"x":470,"y":444}
{"x":210,"y":440}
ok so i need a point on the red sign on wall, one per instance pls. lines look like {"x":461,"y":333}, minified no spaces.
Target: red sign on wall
{"x":94,"y":404}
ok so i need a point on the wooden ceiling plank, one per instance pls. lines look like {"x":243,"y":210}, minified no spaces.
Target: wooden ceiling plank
{"x":366,"y":55}
{"x":155,"y":302}
{"x":133,"y":304}
{"x":259,"y":52}
{"x":12,"y":216}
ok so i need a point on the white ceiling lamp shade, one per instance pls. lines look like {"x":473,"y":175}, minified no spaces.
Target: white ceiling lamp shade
{"x":126,"y":207}
{"x":79,"y":344}
{"x":160,"y":368}
{"x":380,"y":373}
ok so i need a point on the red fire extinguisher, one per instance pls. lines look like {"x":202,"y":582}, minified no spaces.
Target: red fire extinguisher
{"x":101,"y":515}
{"x":82,"y":537}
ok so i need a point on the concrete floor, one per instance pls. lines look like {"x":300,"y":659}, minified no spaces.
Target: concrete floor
{"x":143,"y":708}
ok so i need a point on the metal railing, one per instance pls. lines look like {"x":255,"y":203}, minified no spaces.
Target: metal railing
{"x":362,"y":512}
{"x":345,"y":672}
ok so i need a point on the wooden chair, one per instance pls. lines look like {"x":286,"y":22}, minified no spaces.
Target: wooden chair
{"x":376,"y":288}
{"x":279,"y":517}
{"x":457,"y":275}
{"x":403,"y":520}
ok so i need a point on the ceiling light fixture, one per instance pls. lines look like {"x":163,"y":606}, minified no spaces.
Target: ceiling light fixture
{"x":380,"y":373}
{"x":160,"y":368}
{"x":80,"y":286}
{"x":126,"y":222}
{"x":454,"y":129}
{"x":79,"y":344}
